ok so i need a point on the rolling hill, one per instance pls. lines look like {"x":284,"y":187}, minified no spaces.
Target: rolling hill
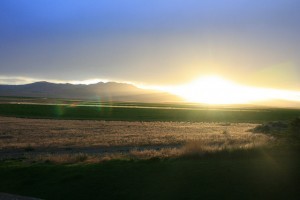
{"x":110,"y":91}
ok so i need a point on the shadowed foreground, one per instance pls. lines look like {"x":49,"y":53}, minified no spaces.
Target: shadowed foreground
{"x":4,"y":196}
{"x":255,"y":174}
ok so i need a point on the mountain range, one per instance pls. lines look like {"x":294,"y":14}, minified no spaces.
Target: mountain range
{"x":110,"y":91}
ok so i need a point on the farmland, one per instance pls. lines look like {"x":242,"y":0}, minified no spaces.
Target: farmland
{"x":59,"y":149}
{"x":38,"y":137}
{"x":55,"y":109}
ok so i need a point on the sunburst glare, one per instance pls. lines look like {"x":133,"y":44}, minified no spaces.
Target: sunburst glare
{"x":216,"y":90}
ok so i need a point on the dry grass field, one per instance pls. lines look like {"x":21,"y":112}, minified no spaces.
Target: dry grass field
{"x":64,"y":159}
{"x":65,"y":140}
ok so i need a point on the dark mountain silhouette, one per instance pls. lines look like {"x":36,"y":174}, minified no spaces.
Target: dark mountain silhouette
{"x":110,"y":91}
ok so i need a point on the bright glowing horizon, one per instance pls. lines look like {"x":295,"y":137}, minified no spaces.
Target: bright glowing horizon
{"x":216,"y":90}
{"x":209,"y":89}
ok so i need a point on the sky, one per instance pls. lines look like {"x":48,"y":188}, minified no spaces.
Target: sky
{"x":157,"y":42}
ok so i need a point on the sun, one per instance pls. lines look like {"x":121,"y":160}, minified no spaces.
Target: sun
{"x":216,"y":90}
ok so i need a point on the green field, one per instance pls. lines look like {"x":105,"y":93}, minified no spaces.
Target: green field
{"x":148,"y":112}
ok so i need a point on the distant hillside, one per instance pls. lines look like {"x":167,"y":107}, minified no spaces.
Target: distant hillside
{"x":110,"y":91}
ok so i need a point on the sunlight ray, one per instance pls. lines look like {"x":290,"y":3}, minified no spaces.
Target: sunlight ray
{"x":216,"y":90}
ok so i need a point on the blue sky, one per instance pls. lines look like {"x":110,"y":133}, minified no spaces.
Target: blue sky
{"x":157,"y":42}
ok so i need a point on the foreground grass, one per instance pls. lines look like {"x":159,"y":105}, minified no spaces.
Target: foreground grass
{"x":256,"y":174}
{"x":35,"y":134}
{"x":148,"y":114}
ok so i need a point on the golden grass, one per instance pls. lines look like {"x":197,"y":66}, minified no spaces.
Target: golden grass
{"x":21,"y":133}
{"x":190,"y":138}
{"x":191,"y":148}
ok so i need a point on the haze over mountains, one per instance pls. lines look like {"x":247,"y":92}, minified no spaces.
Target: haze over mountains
{"x":110,"y":91}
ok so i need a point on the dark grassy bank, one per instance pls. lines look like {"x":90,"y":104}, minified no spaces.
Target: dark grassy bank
{"x":147,"y":114}
{"x":259,"y":174}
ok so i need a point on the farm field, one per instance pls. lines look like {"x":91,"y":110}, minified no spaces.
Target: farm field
{"x":41,"y":137}
{"x":145,"y":151}
{"x":58,"y":109}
